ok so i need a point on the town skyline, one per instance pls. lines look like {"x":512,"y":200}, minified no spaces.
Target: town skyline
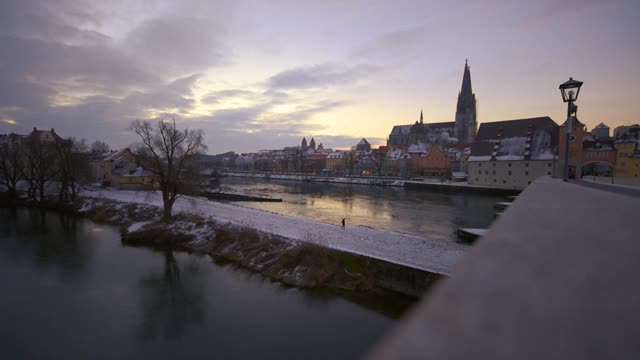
{"x":255,"y":76}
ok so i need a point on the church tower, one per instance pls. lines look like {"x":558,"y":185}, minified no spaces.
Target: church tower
{"x":465,"y":125}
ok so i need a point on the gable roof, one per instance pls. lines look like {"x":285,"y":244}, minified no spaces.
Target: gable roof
{"x":521,"y":139}
{"x":401,"y":130}
{"x":514,"y":128}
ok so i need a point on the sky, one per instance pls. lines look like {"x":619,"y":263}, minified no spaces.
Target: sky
{"x":263,"y":74}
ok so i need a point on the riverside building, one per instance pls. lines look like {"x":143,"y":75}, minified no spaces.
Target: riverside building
{"x":513,"y":153}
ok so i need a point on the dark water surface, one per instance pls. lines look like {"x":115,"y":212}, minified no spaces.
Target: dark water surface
{"x":71,"y":290}
{"x":436,"y":215}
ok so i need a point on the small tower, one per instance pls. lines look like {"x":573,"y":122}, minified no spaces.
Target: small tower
{"x":303,"y":145}
{"x":312,"y":144}
{"x":576,"y":138}
{"x":421,"y":116}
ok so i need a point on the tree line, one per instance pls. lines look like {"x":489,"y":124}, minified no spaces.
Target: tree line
{"x":32,"y":163}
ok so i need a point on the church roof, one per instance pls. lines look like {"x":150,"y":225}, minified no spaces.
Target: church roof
{"x":363,"y":142}
{"x":401,"y":130}
{"x":406,"y":129}
{"x":443,"y":125}
{"x":601,"y":126}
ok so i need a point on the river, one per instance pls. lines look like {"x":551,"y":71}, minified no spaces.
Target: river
{"x":72,"y":290}
{"x":433,"y":214}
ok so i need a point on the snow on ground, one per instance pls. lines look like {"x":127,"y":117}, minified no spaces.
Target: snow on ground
{"x":476,"y":231}
{"x":409,"y":250}
{"x":137,"y":226}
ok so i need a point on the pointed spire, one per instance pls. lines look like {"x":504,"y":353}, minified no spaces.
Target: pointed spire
{"x":466,"y":80}
{"x":420,"y":116}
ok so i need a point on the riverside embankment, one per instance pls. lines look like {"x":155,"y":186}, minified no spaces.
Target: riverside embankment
{"x":285,"y":248}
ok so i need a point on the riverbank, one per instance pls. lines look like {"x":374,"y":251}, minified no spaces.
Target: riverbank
{"x":418,"y":252}
{"x":301,"y":263}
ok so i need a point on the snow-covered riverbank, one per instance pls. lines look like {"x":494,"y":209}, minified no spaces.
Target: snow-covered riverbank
{"x":412,"y":251}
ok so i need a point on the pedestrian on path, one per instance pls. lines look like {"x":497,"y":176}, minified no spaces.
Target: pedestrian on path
{"x":342,"y":222}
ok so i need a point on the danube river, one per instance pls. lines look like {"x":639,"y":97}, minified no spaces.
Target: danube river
{"x":432,"y":214}
{"x":71,"y":290}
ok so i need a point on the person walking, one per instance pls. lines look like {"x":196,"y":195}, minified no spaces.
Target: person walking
{"x":342,"y":222}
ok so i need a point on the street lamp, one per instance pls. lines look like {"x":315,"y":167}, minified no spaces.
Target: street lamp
{"x":570,"y":90}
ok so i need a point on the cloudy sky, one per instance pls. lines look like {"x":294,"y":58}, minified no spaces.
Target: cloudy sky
{"x":263,"y":74}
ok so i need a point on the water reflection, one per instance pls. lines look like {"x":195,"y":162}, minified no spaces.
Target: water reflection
{"x":433,"y":214}
{"x":171,"y":300}
{"x":77,"y":293}
{"x":48,"y":240}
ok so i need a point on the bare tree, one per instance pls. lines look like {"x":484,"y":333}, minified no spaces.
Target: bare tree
{"x":72,"y":166}
{"x":168,"y":152}
{"x":100,"y":147}
{"x":39,"y":166}
{"x":10,"y":164}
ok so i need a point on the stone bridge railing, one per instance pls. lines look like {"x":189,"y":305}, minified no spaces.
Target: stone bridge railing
{"x":556,"y":277}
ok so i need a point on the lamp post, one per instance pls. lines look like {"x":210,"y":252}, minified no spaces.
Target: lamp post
{"x":570,"y":90}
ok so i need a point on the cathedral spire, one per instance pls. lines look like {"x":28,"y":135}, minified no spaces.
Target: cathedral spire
{"x":466,"y":80}
{"x":420,"y":116}
{"x":466,"y":125}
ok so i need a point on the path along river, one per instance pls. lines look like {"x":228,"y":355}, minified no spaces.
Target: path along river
{"x":432,"y":214}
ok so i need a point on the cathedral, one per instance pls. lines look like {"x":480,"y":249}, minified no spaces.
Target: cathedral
{"x":462,"y":130}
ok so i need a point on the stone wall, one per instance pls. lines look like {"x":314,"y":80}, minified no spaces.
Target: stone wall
{"x":509,"y":174}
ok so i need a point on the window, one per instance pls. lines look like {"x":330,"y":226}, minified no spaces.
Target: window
{"x":548,"y":164}
{"x":494,"y":180}
{"x":526,"y":164}
{"x":479,"y":172}
{"x":509,"y":172}
{"x":486,"y":172}
{"x":526,"y":173}
{"x":529,"y":182}
{"x":504,"y":181}
{"x":494,"y":164}
{"x":494,"y":172}
{"x":476,"y":179}
{"x":480,"y":164}
{"x":548,"y":172}
{"x":509,"y":164}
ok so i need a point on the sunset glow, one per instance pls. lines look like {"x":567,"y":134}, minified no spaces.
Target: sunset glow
{"x":263,"y":75}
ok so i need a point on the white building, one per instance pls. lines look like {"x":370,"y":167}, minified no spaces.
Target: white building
{"x":513,"y":153}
